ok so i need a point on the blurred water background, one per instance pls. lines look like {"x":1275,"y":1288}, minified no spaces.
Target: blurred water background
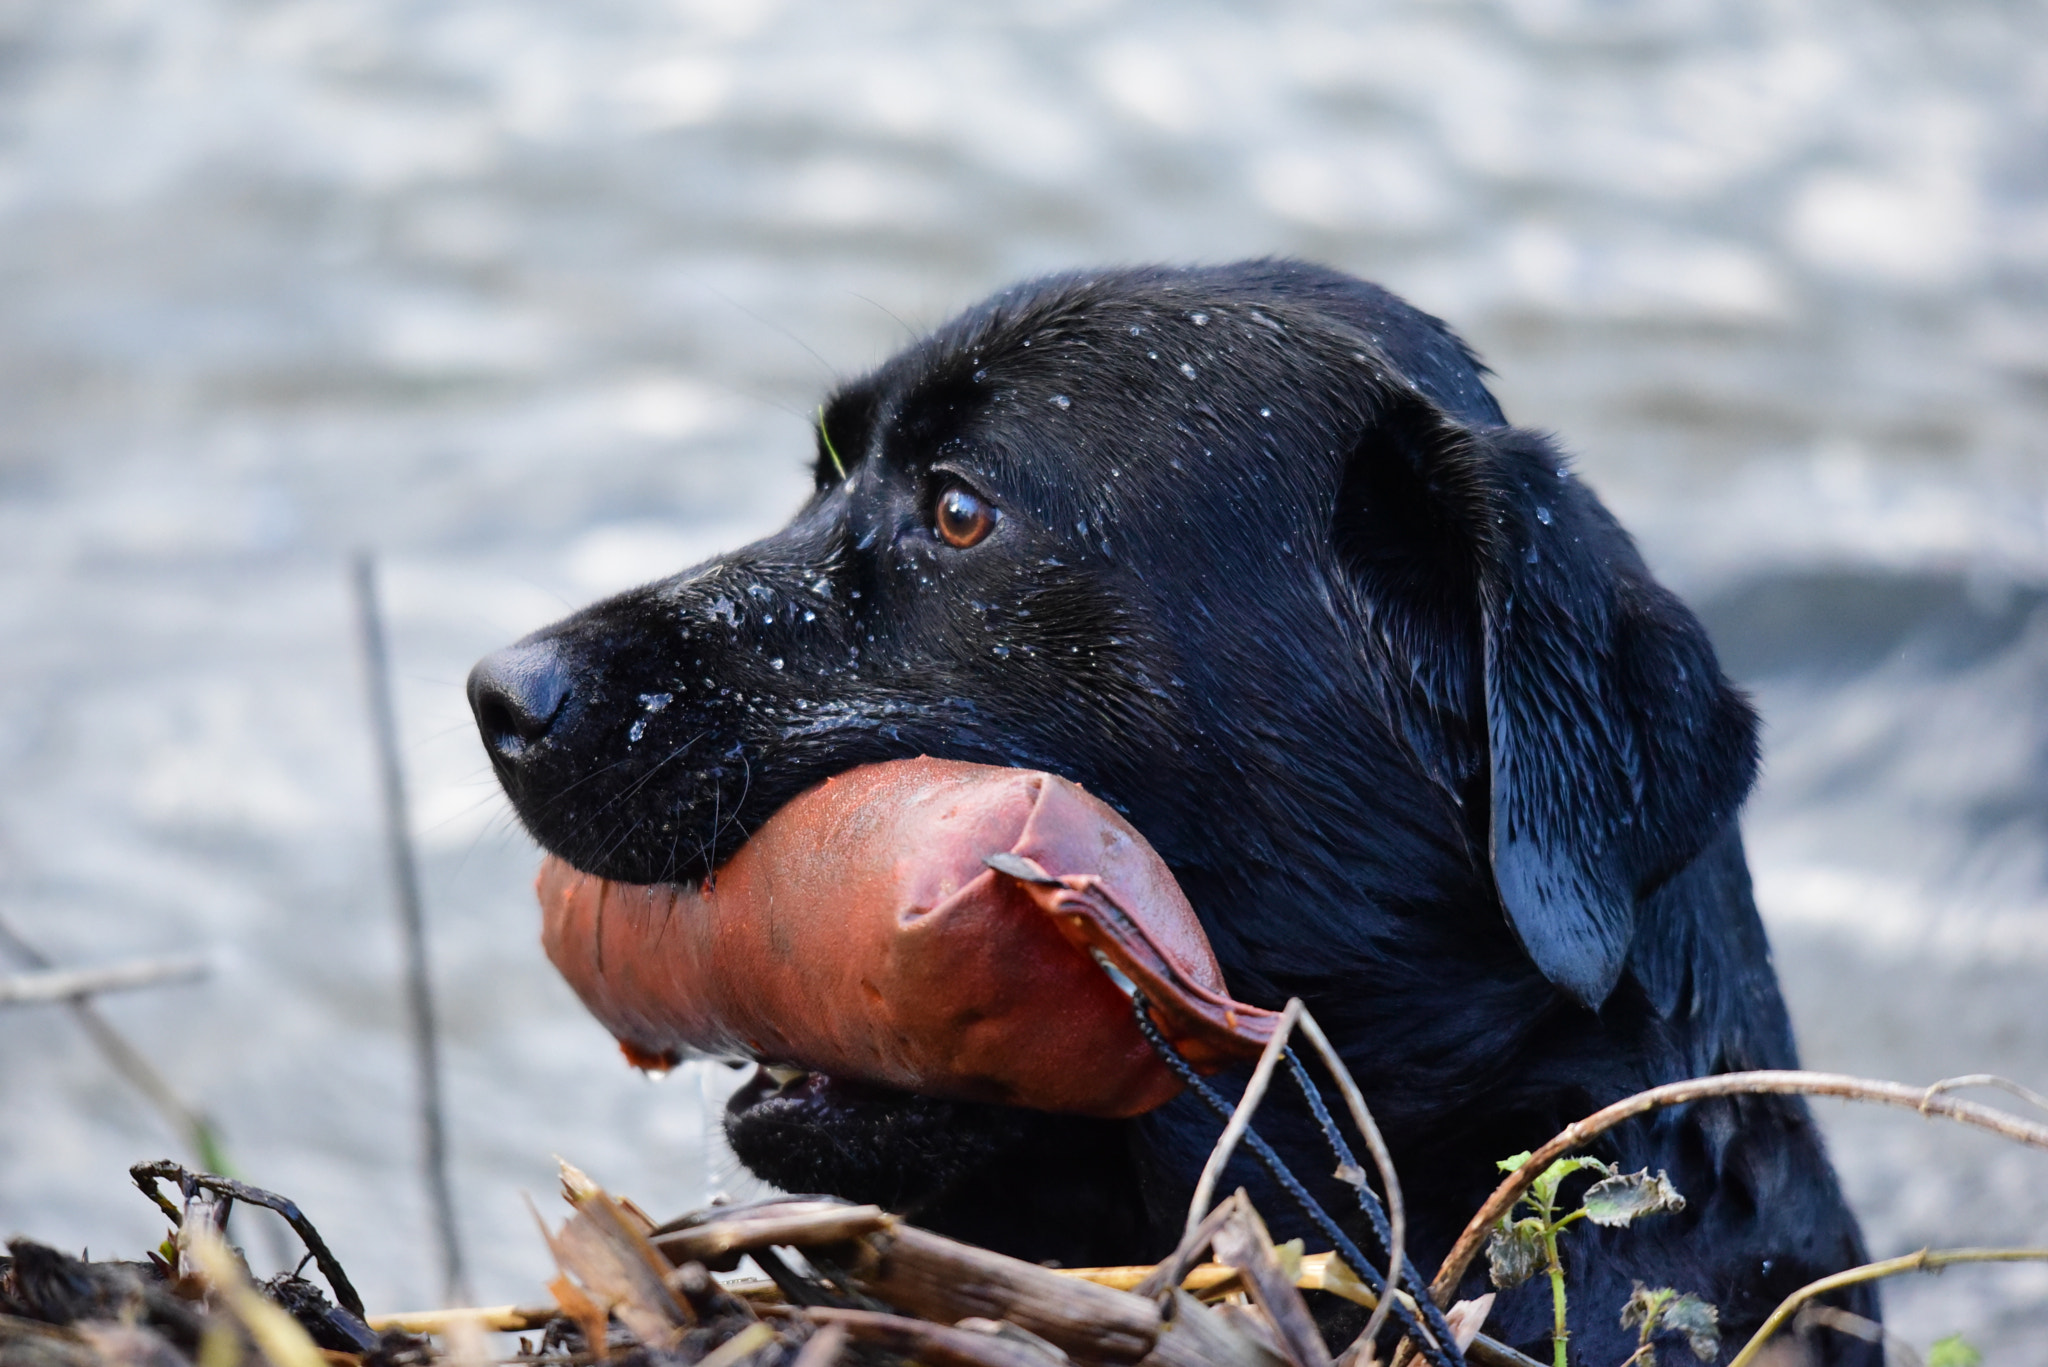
{"x":535,"y":299}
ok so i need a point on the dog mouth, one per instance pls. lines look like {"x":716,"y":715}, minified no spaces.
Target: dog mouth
{"x":805,"y":1130}
{"x":802,"y":1094}
{"x":785,"y":1094}
{"x":919,"y":927}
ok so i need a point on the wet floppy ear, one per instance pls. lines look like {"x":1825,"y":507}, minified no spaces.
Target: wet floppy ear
{"x":1616,"y":750}
{"x":1612,"y":747}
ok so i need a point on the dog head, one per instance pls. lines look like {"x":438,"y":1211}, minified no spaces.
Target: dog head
{"x":1249,"y":552}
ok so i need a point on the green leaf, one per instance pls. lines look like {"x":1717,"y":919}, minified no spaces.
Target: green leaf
{"x":1513,"y":1164}
{"x":1651,"y":1311}
{"x":1698,"y":1321}
{"x":1953,"y":1351}
{"x":1544,"y":1190}
{"x":1644,"y":1305}
{"x":1623,"y":1197}
{"x":1515,"y":1252}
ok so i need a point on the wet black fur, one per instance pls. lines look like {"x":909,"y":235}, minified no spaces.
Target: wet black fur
{"x":1387,"y":687}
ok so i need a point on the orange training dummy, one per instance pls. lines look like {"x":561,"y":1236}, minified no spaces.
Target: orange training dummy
{"x":862,"y":933}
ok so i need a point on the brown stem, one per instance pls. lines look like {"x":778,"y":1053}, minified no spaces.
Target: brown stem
{"x":1777,"y":1081}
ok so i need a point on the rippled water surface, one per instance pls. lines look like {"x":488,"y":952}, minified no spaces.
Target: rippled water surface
{"x":534,"y":298}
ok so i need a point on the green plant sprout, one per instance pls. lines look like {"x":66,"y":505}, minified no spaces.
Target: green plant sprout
{"x":1519,"y":1249}
{"x":1655,"y":1310}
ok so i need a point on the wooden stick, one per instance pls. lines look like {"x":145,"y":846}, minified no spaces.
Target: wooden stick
{"x":405,"y":881}
{"x":1926,"y":1260}
{"x":937,"y":1344}
{"x":1771,"y":1081}
{"x":739,"y":1347}
{"x":72,"y":984}
{"x":1319,"y":1272}
{"x":822,"y":1349}
{"x":1245,"y":1244}
{"x":799,"y":1224}
{"x":191,"y":1124}
{"x":502,"y":1319}
{"x":947,"y":1281}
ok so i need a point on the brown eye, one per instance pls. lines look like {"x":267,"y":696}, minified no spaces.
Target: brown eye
{"x":963,"y":517}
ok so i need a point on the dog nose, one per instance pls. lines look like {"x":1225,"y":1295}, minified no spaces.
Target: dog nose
{"x":517,"y":694}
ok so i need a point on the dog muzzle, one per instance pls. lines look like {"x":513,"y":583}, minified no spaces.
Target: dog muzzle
{"x":954,"y":930}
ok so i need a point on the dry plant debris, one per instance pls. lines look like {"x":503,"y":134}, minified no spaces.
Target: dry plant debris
{"x":855,"y":1286}
{"x":847,"y":1286}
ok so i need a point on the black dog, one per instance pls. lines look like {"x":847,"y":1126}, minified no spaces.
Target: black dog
{"x":1251,"y":553}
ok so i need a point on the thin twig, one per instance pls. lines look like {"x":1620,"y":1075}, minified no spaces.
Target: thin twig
{"x":2003,"y":1084}
{"x":405,"y":881}
{"x":1774,"y":1081}
{"x":147,"y":1175}
{"x":500,"y":1319}
{"x":45,"y":985}
{"x":1383,"y":1159}
{"x":1241,"y":1118}
{"x":1436,"y":1341}
{"x":188,"y":1122}
{"x":823,"y":1348}
{"x":1926,"y":1260}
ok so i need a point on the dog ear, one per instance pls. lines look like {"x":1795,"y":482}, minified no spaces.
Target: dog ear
{"x":1614,"y":749}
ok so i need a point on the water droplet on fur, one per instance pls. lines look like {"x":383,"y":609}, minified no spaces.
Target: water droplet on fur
{"x":1151,"y":355}
{"x":1200,"y":320}
{"x":654,"y":702}
{"x":1001,"y":652}
{"x":810,"y":616}
{"x":1265,"y":412}
{"x":980,"y":375}
{"x":1137,"y":331}
{"x":1543,"y":515}
{"x":1062,"y":401}
{"x":1187,"y":370}
{"x":636,"y":730}
{"x":775,"y":663}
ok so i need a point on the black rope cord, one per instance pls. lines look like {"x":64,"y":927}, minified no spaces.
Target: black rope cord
{"x":1444,"y":1354}
{"x":1368,"y":1200}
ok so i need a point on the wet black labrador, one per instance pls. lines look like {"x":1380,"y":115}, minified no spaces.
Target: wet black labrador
{"x":1252,"y":553}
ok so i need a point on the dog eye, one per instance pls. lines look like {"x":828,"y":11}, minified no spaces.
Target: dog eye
{"x":963,"y":518}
